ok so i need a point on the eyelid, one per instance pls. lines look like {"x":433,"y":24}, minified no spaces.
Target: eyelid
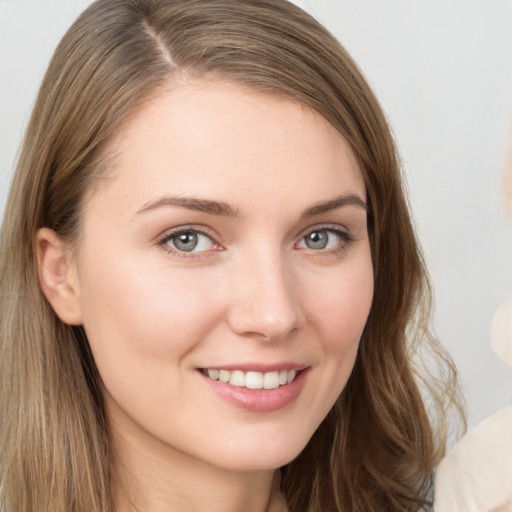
{"x":327,"y":226}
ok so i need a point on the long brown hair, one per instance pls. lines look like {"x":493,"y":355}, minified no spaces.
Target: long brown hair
{"x":379,"y":445}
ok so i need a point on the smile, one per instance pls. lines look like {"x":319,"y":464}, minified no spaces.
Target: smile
{"x":252,"y":380}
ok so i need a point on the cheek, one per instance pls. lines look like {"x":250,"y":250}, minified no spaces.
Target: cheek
{"x":135,"y":312}
{"x":339,"y":312}
{"x":141,"y":327}
{"x":341,"y":307}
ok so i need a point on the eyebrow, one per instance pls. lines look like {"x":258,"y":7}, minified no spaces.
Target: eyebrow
{"x":334,"y":204}
{"x":224,"y":209}
{"x":202,"y":205}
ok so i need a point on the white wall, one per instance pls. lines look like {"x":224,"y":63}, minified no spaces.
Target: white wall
{"x":29,"y":32}
{"x":442,"y":69}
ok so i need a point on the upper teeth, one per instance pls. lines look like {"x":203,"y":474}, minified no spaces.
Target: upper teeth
{"x":253,"y":380}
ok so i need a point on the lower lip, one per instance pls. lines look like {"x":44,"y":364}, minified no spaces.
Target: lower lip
{"x":259,"y":400}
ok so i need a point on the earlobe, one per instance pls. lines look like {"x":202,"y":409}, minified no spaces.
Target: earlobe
{"x":58,"y":276}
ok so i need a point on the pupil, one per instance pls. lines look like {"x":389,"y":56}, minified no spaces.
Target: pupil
{"x":317,"y":240}
{"x":186,"y":242}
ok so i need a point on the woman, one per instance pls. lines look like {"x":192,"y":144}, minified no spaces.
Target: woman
{"x":208,"y":270}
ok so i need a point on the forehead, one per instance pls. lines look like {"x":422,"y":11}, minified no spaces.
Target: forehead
{"x":215,"y":138}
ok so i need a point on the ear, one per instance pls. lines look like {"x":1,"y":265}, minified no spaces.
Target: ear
{"x":58,"y":276}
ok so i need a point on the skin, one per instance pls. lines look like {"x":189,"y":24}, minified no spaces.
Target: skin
{"x":253,"y":293}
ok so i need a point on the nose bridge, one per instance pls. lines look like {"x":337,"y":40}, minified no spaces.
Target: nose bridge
{"x":265,"y":302}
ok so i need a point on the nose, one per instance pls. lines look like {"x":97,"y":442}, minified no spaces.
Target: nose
{"x":265,"y":301}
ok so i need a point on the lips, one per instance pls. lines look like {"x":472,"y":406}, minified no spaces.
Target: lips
{"x":257,"y":391}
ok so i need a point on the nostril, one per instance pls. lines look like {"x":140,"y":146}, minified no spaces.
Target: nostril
{"x":256,"y":321}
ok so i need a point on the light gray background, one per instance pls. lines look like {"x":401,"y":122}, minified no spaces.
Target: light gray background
{"x":442,"y":70}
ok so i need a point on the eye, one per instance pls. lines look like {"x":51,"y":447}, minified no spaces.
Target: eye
{"x":324,"y":239}
{"x":188,"y":240}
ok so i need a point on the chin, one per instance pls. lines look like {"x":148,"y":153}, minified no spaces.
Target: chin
{"x":264,"y":457}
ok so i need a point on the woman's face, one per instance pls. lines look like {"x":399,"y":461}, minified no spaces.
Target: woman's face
{"x":224,"y":275}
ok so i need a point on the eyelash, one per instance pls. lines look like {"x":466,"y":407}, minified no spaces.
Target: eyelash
{"x":346,"y":239}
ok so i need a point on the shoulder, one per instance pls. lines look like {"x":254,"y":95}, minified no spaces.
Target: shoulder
{"x":476,"y":475}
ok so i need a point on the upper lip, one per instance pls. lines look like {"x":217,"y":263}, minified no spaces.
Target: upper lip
{"x":257,"y":367}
